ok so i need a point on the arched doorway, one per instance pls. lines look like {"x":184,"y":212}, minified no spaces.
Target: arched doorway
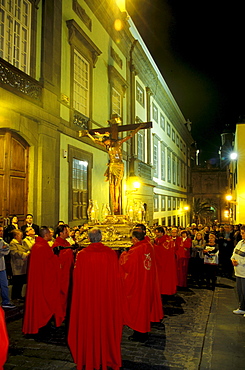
{"x":13,"y":175}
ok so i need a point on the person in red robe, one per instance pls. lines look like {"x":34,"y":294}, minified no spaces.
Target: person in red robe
{"x":166,"y":262}
{"x":66,"y":258}
{"x":141,"y":288}
{"x":4,"y":340}
{"x":183,"y":255}
{"x":96,"y":321}
{"x":43,"y":283}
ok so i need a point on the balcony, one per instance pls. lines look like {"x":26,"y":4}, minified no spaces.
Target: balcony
{"x":18,"y":82}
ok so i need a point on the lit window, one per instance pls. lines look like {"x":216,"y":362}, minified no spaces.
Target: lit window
{"x":162,"y":121}
{"x":81,"y":84}
{"x":163,"y":164}
{"x":154,"y":112}
{"x":79,"y":189}
{"x":141,"y":145}
{"x":169,"y":166}
{"x":173,"y":136}
{"x":15,"y":30}
{"x":163,"y":205}
{"x":116,"y":102}
{"x":140,"y":96}
{"x":155,"y":157}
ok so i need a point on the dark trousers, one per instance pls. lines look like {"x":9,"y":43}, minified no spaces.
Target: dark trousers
{"x":18,"y":282}
{"x":240,"y":285}
{"x":211,"y":274}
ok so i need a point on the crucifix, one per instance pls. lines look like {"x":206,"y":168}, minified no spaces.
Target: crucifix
{"x":108,"y":138}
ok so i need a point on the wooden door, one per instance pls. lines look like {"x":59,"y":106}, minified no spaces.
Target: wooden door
{"x":13,"y":175}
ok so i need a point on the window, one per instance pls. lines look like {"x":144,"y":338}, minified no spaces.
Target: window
{"x":162,"y":121}
{"x":163,"y":221}
{"x":15,"y":29}
{"x":80,"y":166}
{"x":173,"y":136}
{"x":155,"y":112}
{"x":116,"y":102}
{"x":169,"y":220}
{"x":163,"y":203}
{"x":155,"y":157}
{"x":177,"y":140}
{"x":163,"y":162}
{"x":141,"y":145}
{"x":174,"y":169}
{"x":156,"y":206}
{"x":169,"y":203}
{"x":81,"y":84}
{"x":174,"y":203}
{"x":168,"y":129}
{"x":140,"y":94}
{"x":169,"y":166}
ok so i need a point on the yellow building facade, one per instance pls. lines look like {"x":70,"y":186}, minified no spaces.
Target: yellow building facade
{"x":68,"y":66}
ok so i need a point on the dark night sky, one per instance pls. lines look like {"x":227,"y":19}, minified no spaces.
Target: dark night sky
{"x":198,"y":47}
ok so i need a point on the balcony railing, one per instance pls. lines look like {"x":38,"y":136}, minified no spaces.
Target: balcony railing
{"x":18,"y":82}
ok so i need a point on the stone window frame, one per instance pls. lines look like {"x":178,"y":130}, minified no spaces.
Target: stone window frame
{"x":81,"y":42}
{"x":74,"y":152}
{"x":140,"y":94}
{"x":118,"y":83}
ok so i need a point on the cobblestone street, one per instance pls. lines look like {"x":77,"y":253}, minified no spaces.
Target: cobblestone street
{"x":177,"y":344}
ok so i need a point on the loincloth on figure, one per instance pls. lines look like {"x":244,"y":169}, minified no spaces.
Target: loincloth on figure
{"x":115,"y":170}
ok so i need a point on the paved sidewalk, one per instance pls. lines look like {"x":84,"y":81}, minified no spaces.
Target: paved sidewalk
{"x":199,"y":332}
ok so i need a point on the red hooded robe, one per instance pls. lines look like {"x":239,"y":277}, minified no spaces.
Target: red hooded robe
{"x":42,"y":294}
{"x":4,"y":340}
{"x":66,"y":258}
{"x":183,"y":256}
{"x":95,"y":327}
{"x":141,"y":287}
{"x":166,"y":264}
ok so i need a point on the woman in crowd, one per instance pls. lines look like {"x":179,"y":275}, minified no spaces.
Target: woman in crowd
{"x":211,"y":261}
{"x":197,"y":257}
{"x":19,"y":254}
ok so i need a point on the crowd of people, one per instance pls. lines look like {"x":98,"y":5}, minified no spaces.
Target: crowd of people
{"x":95,"y":292}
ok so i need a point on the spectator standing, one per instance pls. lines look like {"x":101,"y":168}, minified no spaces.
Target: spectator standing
{"x":211,"y":261}
{"x":19,"y":254}
{"x":29,"y":223}
{"x":8,"y":235}
{"x":238,"y":261}
{"x":96,"y":322}
{"x":4,"y":251}
{"x":197,"y":259}
{"x":29,"y":240}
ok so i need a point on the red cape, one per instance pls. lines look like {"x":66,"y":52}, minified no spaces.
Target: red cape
{"x":43,"y":282}
{"x":141,"y":287}
{"x":4,"y":340}
{"x":66,"y":258}
{"x":95,"y":327}
{"x":166,"y":264}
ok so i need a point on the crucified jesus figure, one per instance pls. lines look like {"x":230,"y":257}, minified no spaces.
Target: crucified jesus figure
{"x":114,"y":172}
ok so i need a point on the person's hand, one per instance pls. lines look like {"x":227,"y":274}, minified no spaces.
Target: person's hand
{"x":234,"y":262}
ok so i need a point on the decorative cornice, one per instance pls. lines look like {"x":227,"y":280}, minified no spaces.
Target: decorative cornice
{"x":82,"y":14}
{"x":77,"y":33}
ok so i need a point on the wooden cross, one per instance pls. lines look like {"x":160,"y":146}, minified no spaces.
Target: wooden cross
{"x":115,"y":128}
